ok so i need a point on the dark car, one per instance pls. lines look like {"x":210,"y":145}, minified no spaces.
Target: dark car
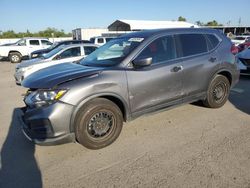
{"x":129,"y":76}
{"x":244,"y":61}
{"x":244,"y":46}
{"x":39,"y":53}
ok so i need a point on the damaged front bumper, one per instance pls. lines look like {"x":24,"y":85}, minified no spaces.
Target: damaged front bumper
{"x":37,"y":126}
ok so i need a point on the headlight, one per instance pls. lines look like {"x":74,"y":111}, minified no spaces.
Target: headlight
{"x":34,"y":55}
{"x":43,"y":97}
{"x":23,"y":69}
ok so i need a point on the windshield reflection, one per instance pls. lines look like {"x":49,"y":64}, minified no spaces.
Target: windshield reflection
{"x":112,"y":52}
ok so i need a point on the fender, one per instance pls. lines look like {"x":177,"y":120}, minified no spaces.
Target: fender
{"x":217,"y":72}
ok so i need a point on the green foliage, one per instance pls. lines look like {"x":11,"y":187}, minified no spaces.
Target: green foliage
{"x":180,"y":18}
{"x":213,"y":23}
{"x":199,"y":23}
{"x":48,"y":33}
{"x":210,"y":23}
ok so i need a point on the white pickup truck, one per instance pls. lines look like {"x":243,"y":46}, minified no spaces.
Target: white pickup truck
{"x":23,"y":48}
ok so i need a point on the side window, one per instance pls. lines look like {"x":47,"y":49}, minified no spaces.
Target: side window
{"x":100,"y":40}
{"x":72,"y":52}
{"x":34,"y":42}
{"x":89,"y":49}
{"x":46,"y":42}
{"x":213,"y":40}
{"x":161,"y":49}
{"x":92,"y":40}
{"x":108,"y":39}
{"x":192,"y":44}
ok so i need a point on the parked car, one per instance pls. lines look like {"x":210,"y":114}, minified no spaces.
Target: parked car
{"x":240,"y":39}
{"x":135,"y":74}
{"x":23,"y":48}
{"x":59,"y":55}
{"x":100,"y":40}
{"x":244,"y":61}
{"x":39,"y":53}
{"x":244,"y":45}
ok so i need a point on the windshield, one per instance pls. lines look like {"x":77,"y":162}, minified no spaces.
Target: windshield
{"x":52,"y":52}
{"x":21,"y":42}
{"x":54,"y":45}
{"x":112,"y":52}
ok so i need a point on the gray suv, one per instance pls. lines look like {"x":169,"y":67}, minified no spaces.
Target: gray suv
{"x":129,"y":76}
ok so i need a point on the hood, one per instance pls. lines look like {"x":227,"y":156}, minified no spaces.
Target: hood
{"x":42,"y":51}
{"x":31,"y":62}
{"x":245,"y":54}
{"x":58,"y":74}
{"x":9,"y":44}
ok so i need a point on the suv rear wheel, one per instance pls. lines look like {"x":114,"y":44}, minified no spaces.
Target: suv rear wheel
{"x":98,"y":123}
{"x":218,"y":92}
{"x":15,"y":57}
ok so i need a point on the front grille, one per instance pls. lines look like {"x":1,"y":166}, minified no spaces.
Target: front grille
{"x":245,"y":61}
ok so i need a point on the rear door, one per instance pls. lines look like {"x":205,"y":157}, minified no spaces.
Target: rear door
{"x":34,"y":44}
{"x":159,"y":84}
{"x":199,"y":61}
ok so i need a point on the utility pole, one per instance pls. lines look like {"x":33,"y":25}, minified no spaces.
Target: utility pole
{"x":239,"y":21}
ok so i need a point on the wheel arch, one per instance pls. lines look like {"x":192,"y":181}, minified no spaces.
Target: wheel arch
{"x":118,"y":100}
{"x":227,"y":74}
{"x":14,"y":51}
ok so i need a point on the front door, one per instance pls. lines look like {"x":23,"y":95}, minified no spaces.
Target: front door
{"x":159,"y":84}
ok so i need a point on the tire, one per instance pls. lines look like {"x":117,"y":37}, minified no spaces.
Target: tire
{"x":15,"y":57}
{"x":98,"y":123}
{"x":218,"y":92}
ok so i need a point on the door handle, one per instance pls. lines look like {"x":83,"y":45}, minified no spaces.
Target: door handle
{"x":212,"y":59}
{"x":177,"y":68}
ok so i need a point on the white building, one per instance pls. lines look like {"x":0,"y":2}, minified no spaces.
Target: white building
{"x":138,"y":25}
{"x":120,"y":27}
{"x":86,"y":34}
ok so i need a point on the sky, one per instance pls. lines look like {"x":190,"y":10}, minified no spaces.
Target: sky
{"x":36,"y":15}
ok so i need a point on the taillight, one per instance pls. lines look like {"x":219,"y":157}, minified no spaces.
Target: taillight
{"x":234,"y":49}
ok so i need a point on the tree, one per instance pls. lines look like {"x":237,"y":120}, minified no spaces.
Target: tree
{"x":213,"y":23}
{"x":199,"y":23}
{"x":49,"y":32}
{"x":180,"y":18}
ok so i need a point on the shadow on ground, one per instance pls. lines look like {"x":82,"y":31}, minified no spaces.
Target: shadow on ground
{"x":18,"y":163}
{"x":240,"y":95}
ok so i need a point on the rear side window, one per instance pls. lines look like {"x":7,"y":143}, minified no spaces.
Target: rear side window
{"x":108,"y":39}
{"x":213,"y":40}
{"x":161,"y":49}
{"x":192,"y":44}
{"x":92,"y":40}
{"x":89,"y":49}
{"x":100,"y":40}
{"x":34,"y":42}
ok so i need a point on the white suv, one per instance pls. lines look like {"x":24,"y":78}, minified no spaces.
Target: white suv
{"x":240,"y":39}
{"x":23,"y":48}
{"x":61,"y":54}
{"x":100,"y":40}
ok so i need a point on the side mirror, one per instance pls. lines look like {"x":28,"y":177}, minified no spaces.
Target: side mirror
{"x":142,"y":62}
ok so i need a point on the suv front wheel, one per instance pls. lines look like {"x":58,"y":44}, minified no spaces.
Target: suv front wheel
{"x":98,"y":123}
{"x":218,"y":92}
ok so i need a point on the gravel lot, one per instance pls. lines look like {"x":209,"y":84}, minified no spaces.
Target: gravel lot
{"x":189,"y":146}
